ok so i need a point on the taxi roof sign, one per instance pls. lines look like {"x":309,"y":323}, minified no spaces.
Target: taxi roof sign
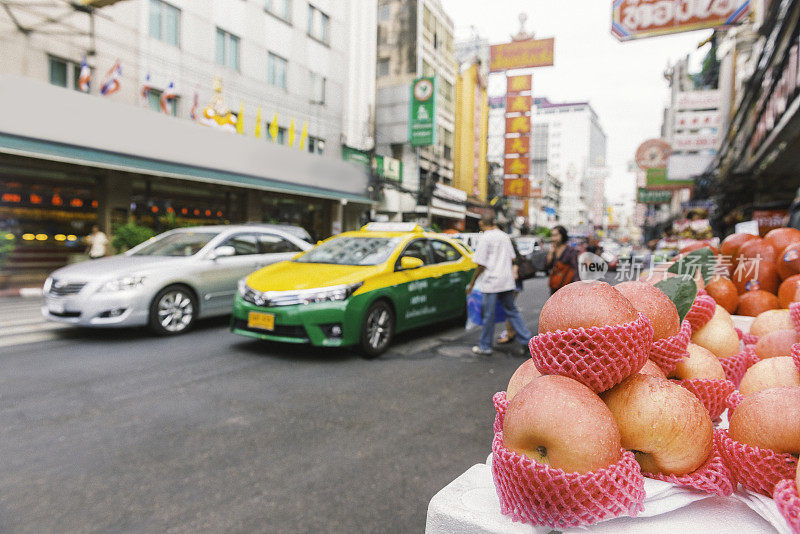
{"x":392,"y":227}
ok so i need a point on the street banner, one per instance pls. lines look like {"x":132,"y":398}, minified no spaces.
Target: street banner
{"x":422,"y":123}
{"x":689,"y":100}
{"x":637,"y":19}
{"x":657,"y":179}
{"x":645,"y":196}
{"x":517,"y":165}
{"x":520,"y":125}
{"x":519,"y":84}
{"x":695,"y":120}
{"x":519,"y":104}
{"x":518,"y":145}
{"x":516,"y":187}
{"x":521,"y":54}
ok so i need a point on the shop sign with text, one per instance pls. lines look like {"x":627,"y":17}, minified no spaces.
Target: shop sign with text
{"x":517,"y":166}
{"x":521,"y":54}
{"x":636,"y":19}
{"x":646,"y":196}
{"x":422,"y":126}
{"x":517,"y":187}
{"x":519,"y":84}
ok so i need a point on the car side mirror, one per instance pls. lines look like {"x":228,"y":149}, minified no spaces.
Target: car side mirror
{"x":408,"y":263}
{"x":223,"y":251}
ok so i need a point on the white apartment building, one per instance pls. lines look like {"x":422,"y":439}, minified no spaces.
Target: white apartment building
{"x":415,"y":38}
{"x":311,"y":63}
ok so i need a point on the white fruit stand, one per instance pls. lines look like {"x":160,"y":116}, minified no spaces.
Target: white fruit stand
{"x":469,"y":505}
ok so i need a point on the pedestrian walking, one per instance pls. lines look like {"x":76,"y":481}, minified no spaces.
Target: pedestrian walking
{"x":97,"y":243}
{"x":494,"y":257}
{"x":562,"y":260}
{"x":508,"y":335}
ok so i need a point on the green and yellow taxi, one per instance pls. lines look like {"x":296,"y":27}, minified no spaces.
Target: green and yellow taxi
{"x":356,"y":288}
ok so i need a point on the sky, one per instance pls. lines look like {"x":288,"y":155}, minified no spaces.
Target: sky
{"x":624,"y":82}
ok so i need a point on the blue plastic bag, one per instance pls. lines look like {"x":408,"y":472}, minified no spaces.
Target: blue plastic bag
{"x":474,"y":316}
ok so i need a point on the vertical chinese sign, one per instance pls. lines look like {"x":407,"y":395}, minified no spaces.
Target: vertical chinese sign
{"x":517,"y":164}
{"x":422,"y":123}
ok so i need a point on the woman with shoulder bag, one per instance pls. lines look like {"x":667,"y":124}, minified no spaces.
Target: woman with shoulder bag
{"x":562,"y":260}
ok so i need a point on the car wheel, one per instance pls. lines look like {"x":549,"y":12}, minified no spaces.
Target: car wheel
{"x":377,"y":329}
{"x":173,"y":311}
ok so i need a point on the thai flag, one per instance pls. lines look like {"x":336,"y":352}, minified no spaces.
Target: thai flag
{"x":168,"y":96}
{"x":111,"y":82}
{"x":146,"y":89}
{"x":195,"y":105}
{"x":85,"y":77}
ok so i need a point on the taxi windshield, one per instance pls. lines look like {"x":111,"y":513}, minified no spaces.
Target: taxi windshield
{"x":177,"y":244}
{"x":352,"y":251}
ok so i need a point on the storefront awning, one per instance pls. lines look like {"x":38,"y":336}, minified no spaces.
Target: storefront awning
{"x":57,"y":124}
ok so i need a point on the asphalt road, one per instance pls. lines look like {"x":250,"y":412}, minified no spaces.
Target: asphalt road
{"x":117,"y":431}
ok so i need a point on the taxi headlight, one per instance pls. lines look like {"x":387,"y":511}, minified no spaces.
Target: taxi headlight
{"x":122,"y":284}
{"x":333,"y":293}
{"x":249,"y":294}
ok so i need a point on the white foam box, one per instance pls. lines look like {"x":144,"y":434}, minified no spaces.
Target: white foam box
{"x":469,"y":505}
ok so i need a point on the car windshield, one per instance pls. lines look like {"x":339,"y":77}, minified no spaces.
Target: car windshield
{"x":352,"y":251}
{"x":177,"y":244}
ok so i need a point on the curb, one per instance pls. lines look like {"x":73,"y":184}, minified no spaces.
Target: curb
{"x":25,"y":292}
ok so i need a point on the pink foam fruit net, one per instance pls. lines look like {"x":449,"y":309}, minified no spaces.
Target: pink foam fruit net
{"x":538,"y":494}
{"x":599,"y":357}
{"x":757,"y":469}
{"x":713,"y":393}
{"x":794,"y":313}
{"x":701,"y":312}
{"x":736,"y":366}
{"x":500,"y":407}
{"x":712,"y":477}
{"x":667,"y":352}
{"x":788,"y":502}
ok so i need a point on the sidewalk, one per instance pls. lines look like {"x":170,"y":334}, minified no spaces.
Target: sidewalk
{"x":27,"y":292}
{"x":22,"y":321}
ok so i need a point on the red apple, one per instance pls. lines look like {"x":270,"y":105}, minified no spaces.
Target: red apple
{"x":583,"y":305}
{"x":780,"y":238}
{"x":560,"y":422}
{"x":521,"y":377}
{"x":665,"y":425}
{"x":757,"y":249}
{"x":771,"y":373}
{"x":765,"y":277}
{"x":730,"y":245}
{"x":769,"y":419}
{"x":701,"y":363}
{"x":788,"y":262}
{"x":776,"y":343}
{"x":655,"y":305}
{"x":789,"y":290}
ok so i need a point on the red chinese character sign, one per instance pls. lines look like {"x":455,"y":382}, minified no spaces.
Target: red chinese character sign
{"x":516,"y":187}
{"x":521,"y":165}
{"x":518,"y":125}
{"x":518,"y":145}
{"x":518,"y":103}
{"x":519,"y":84}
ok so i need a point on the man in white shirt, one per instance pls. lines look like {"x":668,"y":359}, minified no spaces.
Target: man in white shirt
{"x":97,"y":242}
{"x":495,"y":256}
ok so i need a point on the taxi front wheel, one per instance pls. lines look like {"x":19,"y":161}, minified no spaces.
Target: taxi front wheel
{"x":377,"y":329}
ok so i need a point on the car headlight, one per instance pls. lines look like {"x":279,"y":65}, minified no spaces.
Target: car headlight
{"x":122,"y":284}
{"x":330,"y":294}
{"x":47,"y":285}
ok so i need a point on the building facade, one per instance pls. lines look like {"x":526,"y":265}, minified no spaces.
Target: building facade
{"x":297,"y":77}
{"x":472,"y":123}
{"x":415,"y":39}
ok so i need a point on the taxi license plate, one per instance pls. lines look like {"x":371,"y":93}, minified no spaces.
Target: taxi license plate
{"x":262,"y":321}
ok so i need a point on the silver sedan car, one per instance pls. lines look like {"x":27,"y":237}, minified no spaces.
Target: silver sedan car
{"x":167,"y":282}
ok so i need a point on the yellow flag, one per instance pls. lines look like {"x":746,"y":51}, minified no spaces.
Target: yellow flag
{"x":240,"y":120}
{"x":291,"y":132}
{"x":304,"y":135}
{"x":273,"y":128}
{"x":258,"y":124}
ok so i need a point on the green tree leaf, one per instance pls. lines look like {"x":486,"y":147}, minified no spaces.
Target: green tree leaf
{"x":702,"y":259}
{"x":681,"y":290}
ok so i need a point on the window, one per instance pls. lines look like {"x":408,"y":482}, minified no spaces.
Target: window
{"x":318,"y":24}
{"x":316,"y":145}
{"x":444,"y":252}
{"x":64,"y":73}
{"x":274,"y":244}
{"x":427,"y":70}
{"x":416,"y":249}
{"x":384,"y":13}
{"x":276,"y":71}
{"x":281,"y":135}
{"x":280,"y":8}
{"x":227,"y":49}
{"x":154,"y":102}
{"x":383,"y":67}
{"x":165,"y":22}
{"x":317,"y":88}
{"x":243,"y":244}
{"x":446,"y":90}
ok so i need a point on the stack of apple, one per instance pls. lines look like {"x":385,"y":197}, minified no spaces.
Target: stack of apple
{"x":774,"y":283}
{"x":562,"y":424}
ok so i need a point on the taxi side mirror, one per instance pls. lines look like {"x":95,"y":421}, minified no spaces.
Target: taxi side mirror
{"x":408,"y":263}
